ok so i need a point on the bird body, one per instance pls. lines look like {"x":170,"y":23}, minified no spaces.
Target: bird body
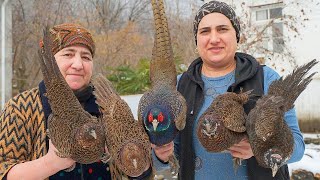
{"x":74,"y":132}
{"x":160,"y":114}
{"x":269,"y":135}
{"x":223,"y":123}
{"x":162,"y":109}
{"x":162,"y":98}
{"x":127,"y":141}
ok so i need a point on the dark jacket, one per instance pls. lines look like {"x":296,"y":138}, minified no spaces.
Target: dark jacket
{"x":248,"y":75}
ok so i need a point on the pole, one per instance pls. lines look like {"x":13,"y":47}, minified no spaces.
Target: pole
{"x":3,"y":51}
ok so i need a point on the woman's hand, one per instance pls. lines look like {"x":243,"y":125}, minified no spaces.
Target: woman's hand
{"x":242,"y":149}
{"x":52,"y":160}
{"x":164,"y":152}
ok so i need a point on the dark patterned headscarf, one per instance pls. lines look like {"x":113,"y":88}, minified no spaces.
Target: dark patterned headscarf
{"x":65,"y":35}
{"x":218,"y":7}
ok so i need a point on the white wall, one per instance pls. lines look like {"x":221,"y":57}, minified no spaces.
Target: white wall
{"x":133,"y":102}
{"x":307,"y":105}
{"x":306,"y":47}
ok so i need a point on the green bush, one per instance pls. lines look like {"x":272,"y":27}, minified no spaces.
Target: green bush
{"x":128,"y":80}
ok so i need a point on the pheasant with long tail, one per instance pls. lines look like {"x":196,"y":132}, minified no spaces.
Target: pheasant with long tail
{"x":74,"y":132}
{"x":162,"y":109}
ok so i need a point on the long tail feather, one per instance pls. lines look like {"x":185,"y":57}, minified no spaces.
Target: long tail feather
{"x":292,"y":85}
{"x":48,"y":63}
{"x":58,"y":91}
{"x":162,"y":68}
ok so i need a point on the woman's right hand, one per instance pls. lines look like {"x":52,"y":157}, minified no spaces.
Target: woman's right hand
{"x":52,"y":160}
{"x":164,"y":152}
{"x":49,"y":163}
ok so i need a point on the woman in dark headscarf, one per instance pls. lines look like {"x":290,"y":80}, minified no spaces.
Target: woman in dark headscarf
{"x":220,"y":69}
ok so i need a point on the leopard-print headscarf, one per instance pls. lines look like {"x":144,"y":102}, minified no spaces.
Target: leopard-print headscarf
{"x":218,"y":7}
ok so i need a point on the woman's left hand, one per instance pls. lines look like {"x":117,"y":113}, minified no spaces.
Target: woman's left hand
{"x":242,"y":149}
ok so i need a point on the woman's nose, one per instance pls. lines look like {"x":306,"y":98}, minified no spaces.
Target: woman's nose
{"x":77,"y":62}
{"x":214,"y":37}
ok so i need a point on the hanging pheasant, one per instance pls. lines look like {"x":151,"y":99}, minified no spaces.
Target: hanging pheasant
{"x":127,"y":141}
{"x":223,"y":123}
{"x":269,"y":135}
{"x":162,"y":109}
{"x":74,"y":132}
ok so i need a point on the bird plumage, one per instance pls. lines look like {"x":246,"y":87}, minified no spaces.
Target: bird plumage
{"x":269,"y":135}
{"x":223,"y":123}
{"x":127,"y":141}
{"x":162,"y":109}
{"x":74,"y":132}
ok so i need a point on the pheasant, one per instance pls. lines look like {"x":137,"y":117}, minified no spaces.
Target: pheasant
{"x":74,"y":132}
{"x":269,"y":135}
{"x":223,"y":123}
{"x":162,"y":109}
{"x":127,"y":141}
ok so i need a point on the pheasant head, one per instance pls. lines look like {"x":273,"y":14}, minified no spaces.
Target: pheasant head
{"x":157,"y":119}
{"x":274,"y":159}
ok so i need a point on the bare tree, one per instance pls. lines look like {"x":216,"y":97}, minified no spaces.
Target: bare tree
{"x":29,"y":18}
{"x":274,"y":28}
{"x":103,"y":18}
{"x":123,"y":31}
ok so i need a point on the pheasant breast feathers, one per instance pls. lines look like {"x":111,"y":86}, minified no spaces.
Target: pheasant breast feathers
{"x":223,"y":123}
{"x":126,"y":139}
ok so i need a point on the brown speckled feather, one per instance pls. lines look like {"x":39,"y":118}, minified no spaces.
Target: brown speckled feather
{"x":270,"y":137}
{"x":74,"y":132}
{"x":126,"y":139}
{"x":223,"y":123}
{"x":162,"y":67}
{"x":162,"y":109}
{"x":163,"y":74}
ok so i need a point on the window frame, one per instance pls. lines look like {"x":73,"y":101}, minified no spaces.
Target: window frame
{"x":269,"y":34}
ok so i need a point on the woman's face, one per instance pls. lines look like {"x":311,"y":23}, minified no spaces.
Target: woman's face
{"x":75,"y":64}
{"x":216,"y":40}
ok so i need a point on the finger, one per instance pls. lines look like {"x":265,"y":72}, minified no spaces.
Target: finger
{"x":163,"y":148}
{"x":236,"y":154}
{"x":235,"y":148}
{"x":241,"y":154}
{"x":242,"y":144}
{"x":164,"y":152}
{"x":164,"y":157}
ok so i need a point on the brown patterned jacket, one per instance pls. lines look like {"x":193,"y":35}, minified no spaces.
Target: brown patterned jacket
{"x":22,"y":130}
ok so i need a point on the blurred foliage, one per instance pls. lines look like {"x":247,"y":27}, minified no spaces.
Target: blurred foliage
{"x":135,"y":80}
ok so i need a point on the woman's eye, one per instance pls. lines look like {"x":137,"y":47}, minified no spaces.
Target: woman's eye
{"x":203,"y":31}
{"x":223,"y":29}
{"x":87,"y":58}
{"x":67,"y":55}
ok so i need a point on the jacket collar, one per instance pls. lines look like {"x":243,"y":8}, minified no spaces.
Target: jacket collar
{"x":246,"y":68}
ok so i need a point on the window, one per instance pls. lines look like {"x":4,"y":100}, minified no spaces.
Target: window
{"x":275,"y":13}
{"x":268,"y":13}
{"x":277,"y":37}
{"x":262,"y":15}
{"x":273,"y":35}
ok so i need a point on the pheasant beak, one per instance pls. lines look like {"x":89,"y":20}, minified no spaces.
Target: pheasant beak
{"x":155,"y":124}
{"x":135,"y":164}
{"x":93,"y":134}
{"x":274,"y":170}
